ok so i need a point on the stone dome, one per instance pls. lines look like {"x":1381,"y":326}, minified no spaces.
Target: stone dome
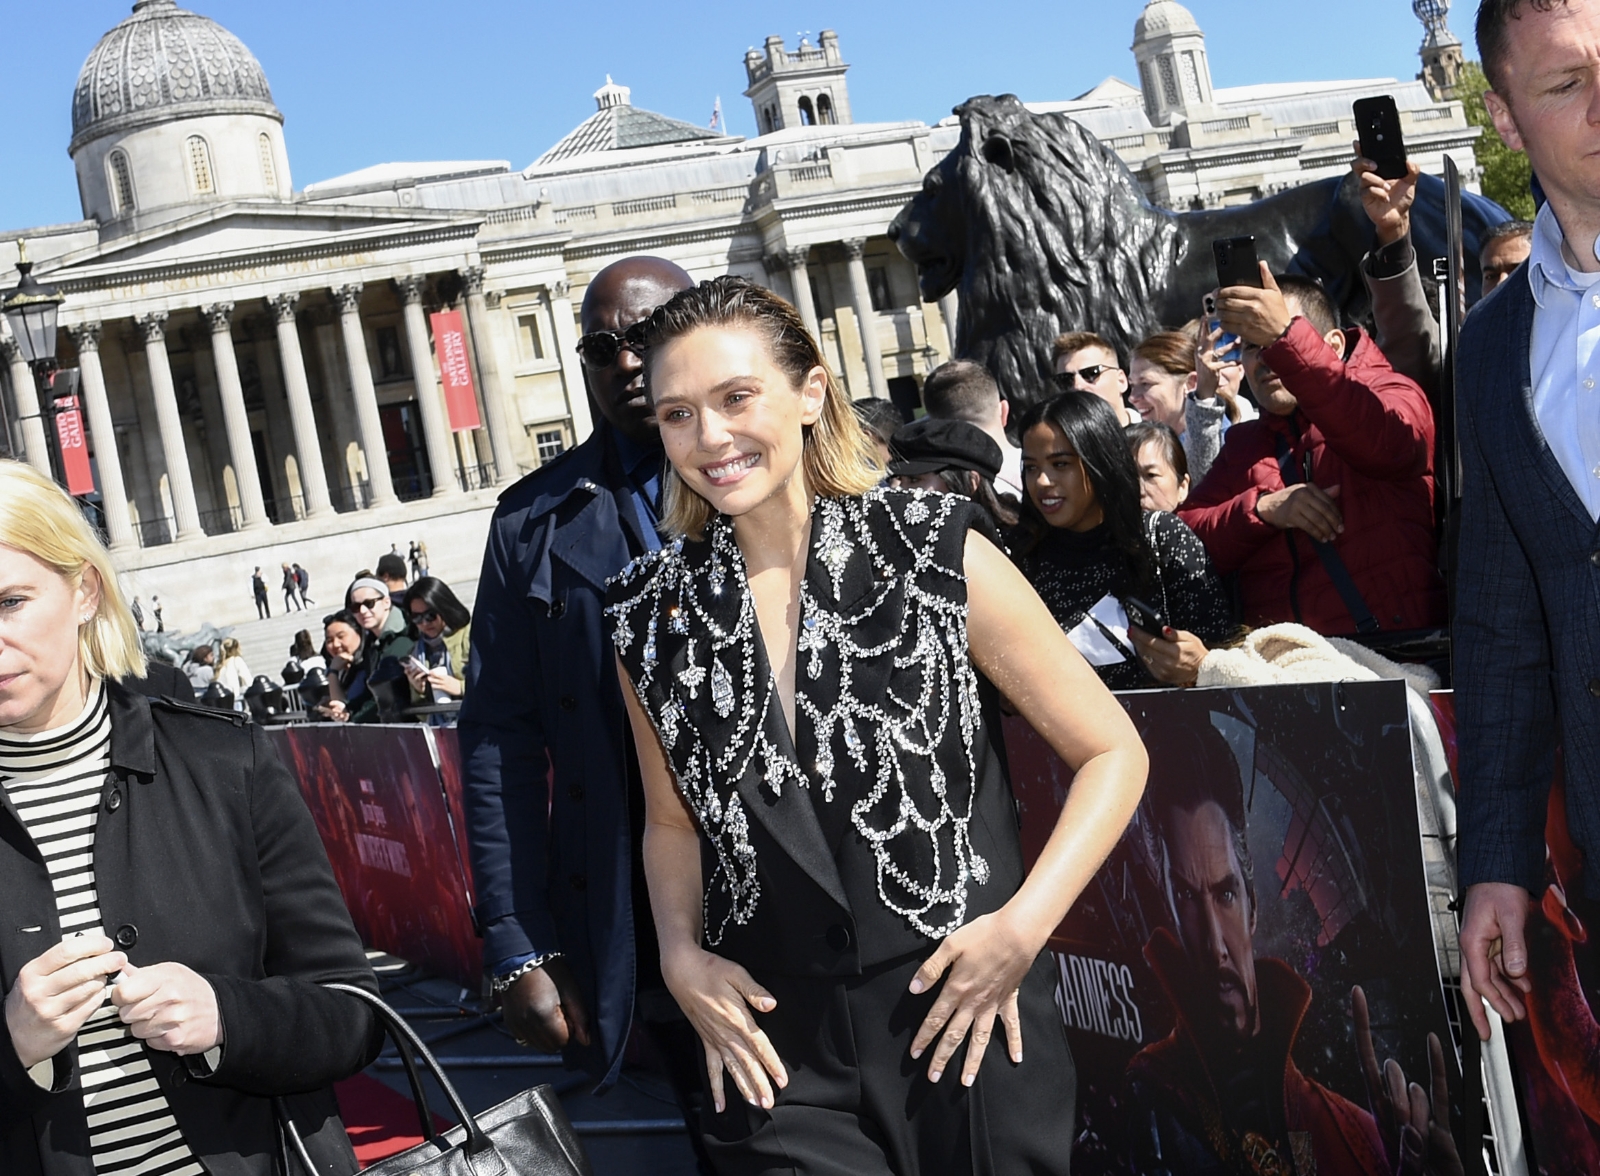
{"x":164,"y":63}
{"x":1164,"y":18}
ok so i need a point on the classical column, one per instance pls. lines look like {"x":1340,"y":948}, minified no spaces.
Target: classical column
{"x":348,"y":299}
{"x":571,"y":362}
{"x":435,"y":425}
{"x":235,"y":417}
{"x":949,"y":309}
{"x":866,"y":318}
{"x":108,"y":462}
{"x":797,"y":260}
{"x":308,"y":447}
{"x":153,"y":327}
{"x":494,"y":396}
{"x":26,"y":393}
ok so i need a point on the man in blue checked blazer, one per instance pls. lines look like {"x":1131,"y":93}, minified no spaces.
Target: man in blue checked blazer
{"x":1527,"y":624}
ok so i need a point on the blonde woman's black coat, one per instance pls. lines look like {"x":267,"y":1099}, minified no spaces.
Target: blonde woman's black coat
{"x":205,"y":854}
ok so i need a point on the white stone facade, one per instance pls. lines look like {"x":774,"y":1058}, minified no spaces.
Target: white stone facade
{"x":257,"y":364}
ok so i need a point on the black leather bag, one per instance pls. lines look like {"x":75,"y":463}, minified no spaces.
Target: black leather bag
{"x":527,"y":1135}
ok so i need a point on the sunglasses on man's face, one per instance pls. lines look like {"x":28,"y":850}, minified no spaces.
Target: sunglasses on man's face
{"x":425,"y":618}
{"x":1088,"y":375}
{"x":601,"y":348}
{"x":370,"y":604}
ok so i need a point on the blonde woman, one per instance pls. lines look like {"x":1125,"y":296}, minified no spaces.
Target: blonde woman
{"x":830,"y":842}
{"x":168,"y":911}
{"x":233,"y":673}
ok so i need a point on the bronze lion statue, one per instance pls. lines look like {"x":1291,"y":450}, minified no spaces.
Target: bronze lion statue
{"x":1043,"y":229}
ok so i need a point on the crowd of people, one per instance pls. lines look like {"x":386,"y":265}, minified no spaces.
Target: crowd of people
{"x":716,"y":665}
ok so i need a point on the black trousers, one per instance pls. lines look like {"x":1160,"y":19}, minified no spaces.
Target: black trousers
{"x":857,"y":1103}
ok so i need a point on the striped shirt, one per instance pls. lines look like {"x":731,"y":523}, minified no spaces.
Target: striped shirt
{"x":54,"y":778}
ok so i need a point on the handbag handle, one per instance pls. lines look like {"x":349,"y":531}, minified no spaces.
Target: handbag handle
{"x":405,"y":1036}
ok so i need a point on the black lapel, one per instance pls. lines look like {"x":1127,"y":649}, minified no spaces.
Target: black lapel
{"x":592,"y":542}
{"x":1524,"y":420}
{"x":776,"y":802}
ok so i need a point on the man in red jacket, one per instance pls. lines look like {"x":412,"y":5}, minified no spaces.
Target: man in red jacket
{"x":1324,"y":506}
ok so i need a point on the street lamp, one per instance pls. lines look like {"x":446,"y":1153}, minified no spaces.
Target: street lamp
{"x":31,"y":310}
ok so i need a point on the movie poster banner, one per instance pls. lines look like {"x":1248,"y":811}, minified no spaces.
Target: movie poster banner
{"x":376,"y":796}
{"x":1253,"y":969}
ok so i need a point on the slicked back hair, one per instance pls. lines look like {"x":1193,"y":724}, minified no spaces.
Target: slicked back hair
{"x":1076,"y":341}
{"x":961,"y":391}
{"x":1493,"y":17}
{"x":1307,"y":296}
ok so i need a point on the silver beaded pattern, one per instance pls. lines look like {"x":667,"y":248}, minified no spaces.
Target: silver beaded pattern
{"x":931,"y":732}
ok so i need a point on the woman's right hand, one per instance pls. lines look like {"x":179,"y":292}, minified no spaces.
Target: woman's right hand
{"x":717,"y":996}
{"x":56,"y":992}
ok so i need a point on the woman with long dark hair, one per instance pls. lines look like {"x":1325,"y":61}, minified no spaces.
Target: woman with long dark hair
{"x":1094,"y":556}
{"x":802,"y":666}
{"x":437,"y":667}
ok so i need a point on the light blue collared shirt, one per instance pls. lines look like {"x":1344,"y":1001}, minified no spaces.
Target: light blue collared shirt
{"x":1563,"y":359}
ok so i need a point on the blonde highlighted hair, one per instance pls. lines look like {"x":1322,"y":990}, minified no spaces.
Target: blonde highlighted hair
{"x":838,"y":458}
{"x":38,"y":518}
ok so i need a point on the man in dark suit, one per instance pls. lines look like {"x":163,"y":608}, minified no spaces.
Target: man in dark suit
{"x":1527,"y":626}
{"x":568,"y":936}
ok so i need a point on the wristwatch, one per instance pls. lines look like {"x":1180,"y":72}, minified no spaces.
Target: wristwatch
{"x":499,"y":984}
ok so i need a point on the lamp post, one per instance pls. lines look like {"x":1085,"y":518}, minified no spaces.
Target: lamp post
{"x":31,"y":310}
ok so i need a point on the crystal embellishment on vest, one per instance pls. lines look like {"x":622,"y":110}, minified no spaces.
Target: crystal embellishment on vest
{"x":911,"y":746}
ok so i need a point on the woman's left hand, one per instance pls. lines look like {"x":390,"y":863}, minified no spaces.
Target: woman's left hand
{"x":440,"y":679}
{"x":986,"y":960}
{"x":169,"y":1007}
{"x":1175,"y":659}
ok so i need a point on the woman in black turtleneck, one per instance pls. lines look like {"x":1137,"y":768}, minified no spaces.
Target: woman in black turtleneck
{"x":1089,"y":548}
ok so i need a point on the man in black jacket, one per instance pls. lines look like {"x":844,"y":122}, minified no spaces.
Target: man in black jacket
{"x":568,"y":936}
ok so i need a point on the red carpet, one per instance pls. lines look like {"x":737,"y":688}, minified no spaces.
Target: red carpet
{"x":380,"y":1122}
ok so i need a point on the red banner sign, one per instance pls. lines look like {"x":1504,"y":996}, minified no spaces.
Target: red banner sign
{"x":74,"y":447}
{"x":455,"y":370}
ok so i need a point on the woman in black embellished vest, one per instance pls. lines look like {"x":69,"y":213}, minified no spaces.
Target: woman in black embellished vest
{"x":831,"y":843}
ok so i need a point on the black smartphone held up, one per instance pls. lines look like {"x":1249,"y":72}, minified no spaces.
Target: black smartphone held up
{"x":1378,"y":124}
{"x":1236,"y":262}
{"x":1145,"y":618}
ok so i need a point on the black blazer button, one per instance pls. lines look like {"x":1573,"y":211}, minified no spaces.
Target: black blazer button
{"x":1594,"y":687}
{"x":1594,"y":558}
{"x":127,"y":935}
{"x":837,"y":937}
{"x":114,"y":800}
{"x":568,"y":702}
{"x":557,"y":608}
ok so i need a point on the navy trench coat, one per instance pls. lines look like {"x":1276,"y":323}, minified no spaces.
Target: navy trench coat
{"x":554,"y":864}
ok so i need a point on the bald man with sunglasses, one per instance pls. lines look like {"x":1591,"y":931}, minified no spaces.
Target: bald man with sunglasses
{"x":555,"y":811}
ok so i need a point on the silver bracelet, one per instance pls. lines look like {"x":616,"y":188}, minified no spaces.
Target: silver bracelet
{"x":500,"y":983}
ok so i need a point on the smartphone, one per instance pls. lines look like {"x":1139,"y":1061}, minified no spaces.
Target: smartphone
{"x":1378,"y":125}
{"x":1236,"y":262}
{"x":1145,"y":618}
{"x":413,"y":662}
{"x":1229,"y":348}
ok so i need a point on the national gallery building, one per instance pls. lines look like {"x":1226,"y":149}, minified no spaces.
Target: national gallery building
{"x":260,"y":365}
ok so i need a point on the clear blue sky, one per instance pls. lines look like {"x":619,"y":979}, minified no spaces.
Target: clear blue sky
{"x":372,"y":81}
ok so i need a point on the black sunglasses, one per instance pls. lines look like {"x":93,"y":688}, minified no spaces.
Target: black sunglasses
{"x":425,"y":618}
{"x":366,"y":605}
{"x":601,"y":348}
{"x":1087,"y":374}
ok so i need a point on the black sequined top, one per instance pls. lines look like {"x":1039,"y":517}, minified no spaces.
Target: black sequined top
{"x":1072,"y":570}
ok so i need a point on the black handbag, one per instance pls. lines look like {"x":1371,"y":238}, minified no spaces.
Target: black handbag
{"x":527,"y":1135}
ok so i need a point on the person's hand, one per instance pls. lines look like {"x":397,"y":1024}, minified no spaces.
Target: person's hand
{"x":986,"y":961}
{"x":1173,"y":658}
{"x":56,"y":992}
{"x":333,"y":710}
{"x":717,"y":995}
{"x":439,"y":678}
{"x":1256,"y":315}
{"x":1387,"y":202}
{"x":1494,"y":952}
{"x":168,"y":1007}
{"x":417,"y":678}
{"x":543,"y":1009}
{"x":1310,"y":508}
{"x":1215,"y":376}
{"x":1414,"y":1126}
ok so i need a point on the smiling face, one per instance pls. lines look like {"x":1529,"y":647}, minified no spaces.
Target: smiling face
{"x":731,"y":420}
{"x":1158,"y":394}
{"x":42,"y":678}
{"x":1546,"y":101}
{"x":1057,"y":481}
{"x":1215,"y":921}
{"x":371,"y":608}
{"x":341,"y":640}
